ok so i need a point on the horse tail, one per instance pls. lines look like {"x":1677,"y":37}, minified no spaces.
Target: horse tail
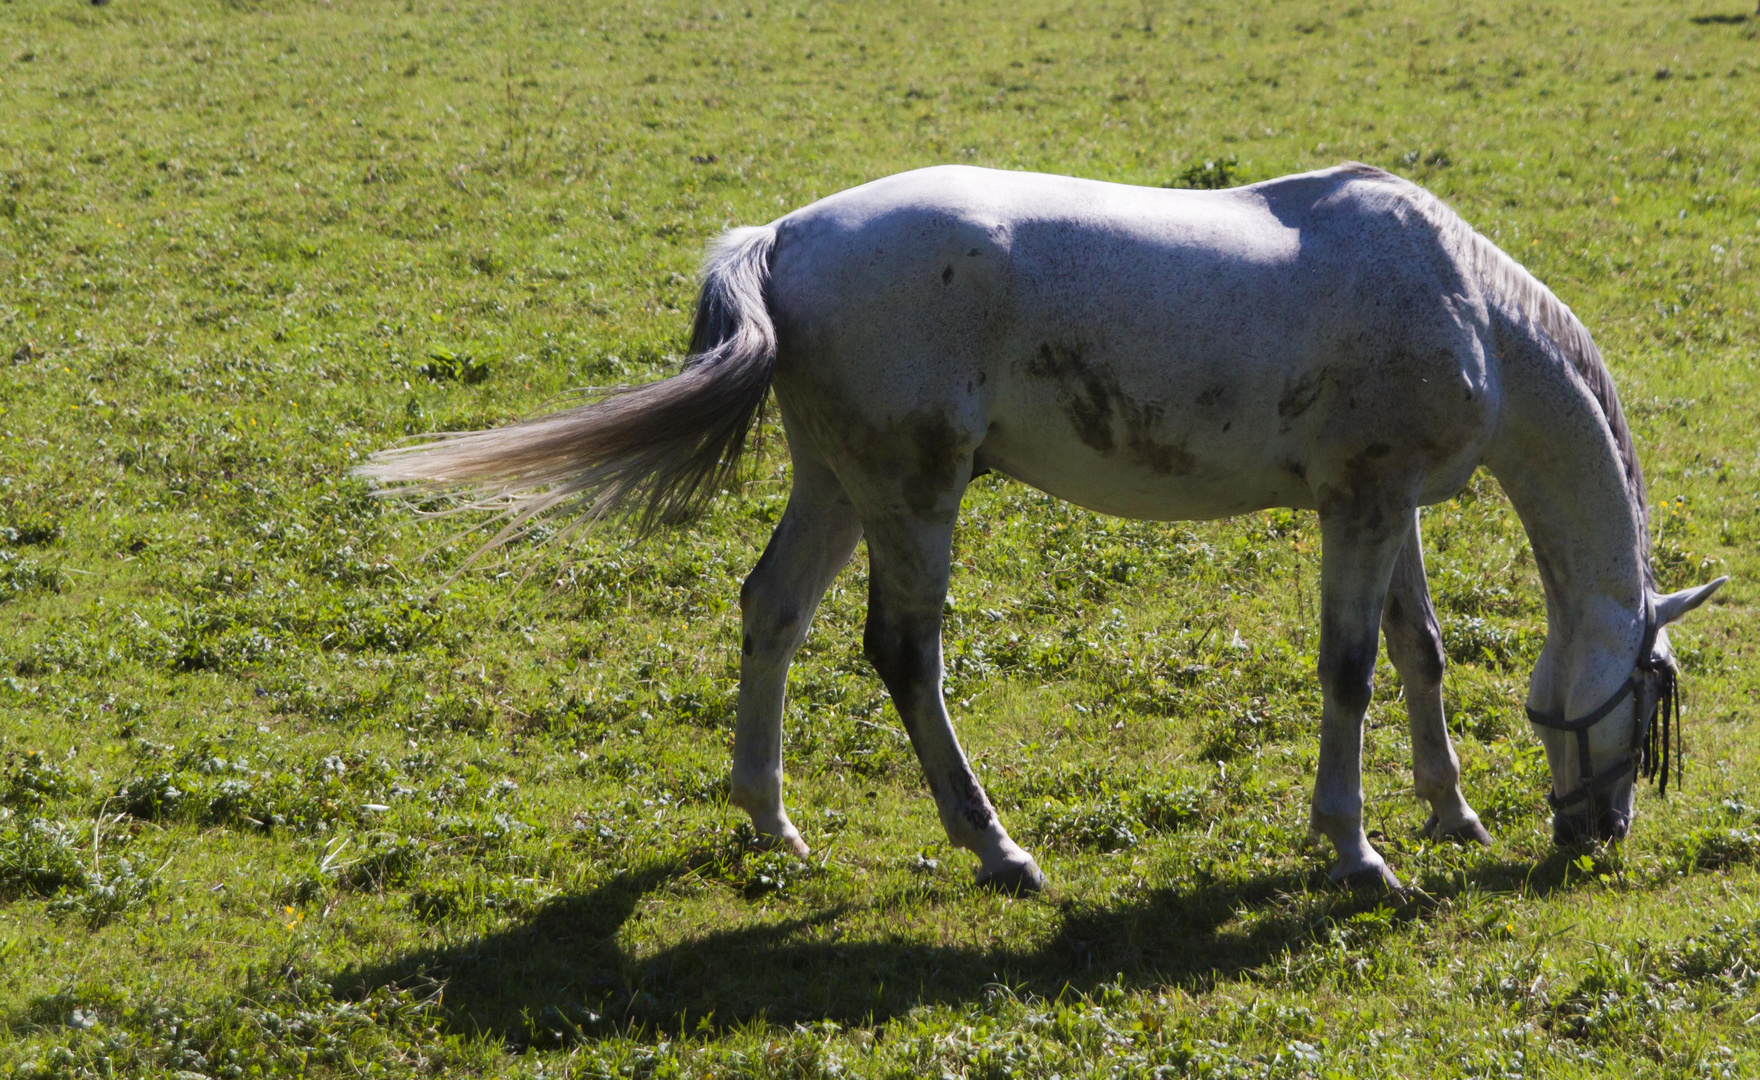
{"x":653,"y":454}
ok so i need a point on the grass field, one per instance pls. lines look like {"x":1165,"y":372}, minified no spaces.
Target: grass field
{"x":279,"y":799}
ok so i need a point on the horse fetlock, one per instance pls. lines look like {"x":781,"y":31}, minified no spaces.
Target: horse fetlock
{"x":966,"y":813}
{"x":1436,"y":777}
{"x":763,"y":802}
{"x":787,"y":840}
{"x":759,"y":796}
{"x":1360,"y":865}
{"x":1451,"y":818}
{"x":1007,"y":868}
{"x":1336,"y":817}
{"x":776,"y":831}
{"x":1340,"y":820}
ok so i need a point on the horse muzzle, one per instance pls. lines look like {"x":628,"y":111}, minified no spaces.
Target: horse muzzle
{"x":1574,"y":830}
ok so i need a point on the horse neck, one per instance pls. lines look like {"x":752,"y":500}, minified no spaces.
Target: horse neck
{"x":1557,"y":459}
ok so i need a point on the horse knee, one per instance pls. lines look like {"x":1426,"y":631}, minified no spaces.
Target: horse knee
{"x":1348,"y":676}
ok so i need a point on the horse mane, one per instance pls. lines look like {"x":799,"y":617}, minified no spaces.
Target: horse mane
{"x":1530,"y":301}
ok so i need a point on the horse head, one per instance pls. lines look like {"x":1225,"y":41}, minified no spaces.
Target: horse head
{"x":1598,"y":754}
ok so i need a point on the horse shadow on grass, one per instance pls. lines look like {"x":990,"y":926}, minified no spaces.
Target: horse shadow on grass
{"x":563,"y":974}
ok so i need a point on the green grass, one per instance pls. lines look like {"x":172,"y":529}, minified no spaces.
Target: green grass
{"x":280,"y":799}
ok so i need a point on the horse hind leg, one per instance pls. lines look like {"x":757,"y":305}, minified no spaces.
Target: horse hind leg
{"x":813,"y":541}
{"x":1414,"y":644}
{"x":908,"y":573}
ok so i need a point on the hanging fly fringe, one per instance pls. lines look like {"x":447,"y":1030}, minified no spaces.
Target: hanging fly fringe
{"x":1657,"y":749}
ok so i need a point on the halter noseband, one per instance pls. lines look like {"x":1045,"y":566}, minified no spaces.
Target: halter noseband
{"x":1649,"y":754}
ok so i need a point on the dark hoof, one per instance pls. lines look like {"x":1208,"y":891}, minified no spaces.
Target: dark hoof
{"x":794,"y":845}
{"x":1470,"y":833}
{"x":1373,"y":881}
{"x":1018,"y":880}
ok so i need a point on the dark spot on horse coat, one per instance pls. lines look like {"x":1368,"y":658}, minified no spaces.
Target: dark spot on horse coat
{"x":938,"y":450}
{"x":904,"y":652}
{"x":1356,"y":506}
{"x":746,"y":645}
{"x":1300,"y":396}
{"x":1214,"y":396}
{"x":1350,"y":676}
{"x":922,"y":455}
{"x":1165,"y":459}
{"x":971,"y":253}
{"x":1087,"y":396}
{"x":1092,"y":398}
{"x":1359,"y":469}
{"x":947,"y":274}
{"x":972,"y":803}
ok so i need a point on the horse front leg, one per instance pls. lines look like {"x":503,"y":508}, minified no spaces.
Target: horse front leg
{"x":908,"y":575}
{"x":812,"y":542}
{"x":1360,"y":539}
{"x":1414,"y":644}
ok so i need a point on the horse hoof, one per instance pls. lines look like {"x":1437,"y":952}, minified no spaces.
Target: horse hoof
{"x":1468,"y":832}
{"x":1471,"y":832}
{"x":1015,"y":879}
{"x":790,"y":842}
{"x":1371,"y":880}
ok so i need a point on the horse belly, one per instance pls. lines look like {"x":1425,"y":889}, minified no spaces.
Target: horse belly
{"x":1163,"y":480}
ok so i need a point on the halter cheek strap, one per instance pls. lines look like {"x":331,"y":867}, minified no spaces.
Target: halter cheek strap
{"x":1650,"y":748}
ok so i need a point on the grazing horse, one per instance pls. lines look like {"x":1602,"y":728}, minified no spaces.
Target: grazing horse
{"x":1337,"y":341}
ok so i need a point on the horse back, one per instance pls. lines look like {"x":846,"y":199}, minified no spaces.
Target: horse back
{"x":1148,"y":352}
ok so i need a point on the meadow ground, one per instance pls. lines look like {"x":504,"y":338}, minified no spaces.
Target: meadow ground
{"x":279,"y":799}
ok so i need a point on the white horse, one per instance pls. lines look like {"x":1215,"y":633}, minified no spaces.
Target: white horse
{"x":1337,"y":341}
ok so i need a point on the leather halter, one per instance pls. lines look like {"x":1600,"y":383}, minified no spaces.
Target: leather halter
{"x":1649,"y":754}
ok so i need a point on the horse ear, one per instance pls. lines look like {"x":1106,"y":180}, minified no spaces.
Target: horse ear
{"x":1674,"y":605}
